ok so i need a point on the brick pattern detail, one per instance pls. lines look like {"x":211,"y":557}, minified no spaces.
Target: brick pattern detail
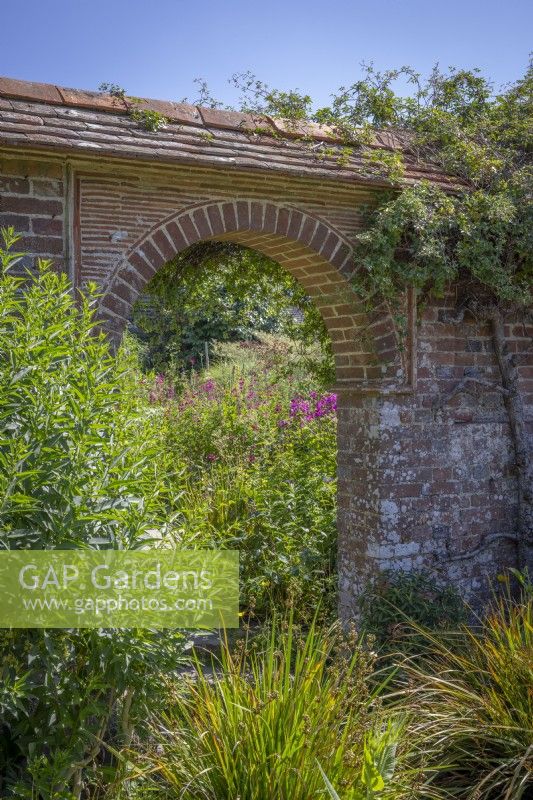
{"x":439,"y":474}
{"x":32,"y":201}
{"x":315,"y":254}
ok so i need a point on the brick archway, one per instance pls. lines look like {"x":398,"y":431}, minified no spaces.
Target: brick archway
{"x":310,"y":249}
{"x":425,"y":476}
{"x":321,"y":259}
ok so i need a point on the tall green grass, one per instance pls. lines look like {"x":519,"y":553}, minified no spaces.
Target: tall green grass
{"x":311,"y":715}
{"x":283,"y":723}
{"x":473,"y":698}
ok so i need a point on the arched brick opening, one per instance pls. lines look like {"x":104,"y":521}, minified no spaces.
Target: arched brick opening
{"x":310,"y":249}
{"x":365,"y":351}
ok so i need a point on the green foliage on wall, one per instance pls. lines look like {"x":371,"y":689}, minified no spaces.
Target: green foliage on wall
{"x":479,"y":227}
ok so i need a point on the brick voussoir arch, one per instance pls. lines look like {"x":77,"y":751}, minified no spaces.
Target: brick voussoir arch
{"x":316,"y":254}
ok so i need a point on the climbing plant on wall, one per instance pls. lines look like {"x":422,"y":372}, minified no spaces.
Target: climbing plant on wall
{"x":476,"y":233}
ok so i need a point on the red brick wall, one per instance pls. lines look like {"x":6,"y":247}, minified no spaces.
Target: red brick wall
{"x":32,"y":200}
{"x":423,"y":481}
{"x":440,"y":470}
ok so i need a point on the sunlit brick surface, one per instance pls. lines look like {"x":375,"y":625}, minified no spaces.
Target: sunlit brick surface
{"x":423,"y":482}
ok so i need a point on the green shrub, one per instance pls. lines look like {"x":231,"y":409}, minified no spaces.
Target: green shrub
{"x":272,"y":723}
{"x":76,"y":471}
{"x":74,"y":468}
{"x":474,"y":702}
{"x":396,"y":603}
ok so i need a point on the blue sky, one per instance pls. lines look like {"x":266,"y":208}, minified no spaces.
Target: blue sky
{"x":155,"y":48}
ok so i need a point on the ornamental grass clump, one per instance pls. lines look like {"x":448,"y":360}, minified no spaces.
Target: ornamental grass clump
{"x":283,"y":723}
{"x":474,"y":701}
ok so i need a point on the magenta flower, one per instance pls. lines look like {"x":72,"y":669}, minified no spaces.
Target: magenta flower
{"x":298,"y":406}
